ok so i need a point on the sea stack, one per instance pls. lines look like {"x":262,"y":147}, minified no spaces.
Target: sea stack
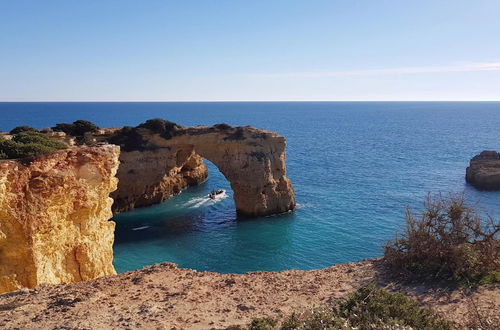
{"x":484,"y":171}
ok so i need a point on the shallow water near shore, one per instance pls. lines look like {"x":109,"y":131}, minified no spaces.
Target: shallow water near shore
{"x":355,"y":166}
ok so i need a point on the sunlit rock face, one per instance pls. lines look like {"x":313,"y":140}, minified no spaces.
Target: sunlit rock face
{"x":484,"y":171}
{"x":54,"y":216}
{"x":159,"y":165}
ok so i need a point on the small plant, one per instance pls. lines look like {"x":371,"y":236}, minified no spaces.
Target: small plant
{"x":223,"y":126}
{"x":367,"y":308}
{"x":20,"y":129}
{"x":77,"y":128}
{"x":28,"y":144}
{"x":263,"y":323}
{"x":238,"y":134}
{"x":449,"y":240}
{"x":165,"y":128}
{"x":129,"y":139}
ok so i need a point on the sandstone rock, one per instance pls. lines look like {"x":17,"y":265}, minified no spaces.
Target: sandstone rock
{"x":484,"y":171}
{"x":252,"y":160}
{"x":54,"y":216}
{"x":54,"y":210}
{"x":152,"y":176}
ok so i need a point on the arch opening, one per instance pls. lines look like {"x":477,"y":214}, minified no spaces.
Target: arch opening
{"x":252,"y":160}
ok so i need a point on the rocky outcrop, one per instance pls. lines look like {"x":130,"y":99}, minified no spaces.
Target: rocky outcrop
{"x":54,"y":216}
{"x":54,"y":210}
{"x":484,"y":171}
{"x":157,"y":164}
{"x":152,"y":176}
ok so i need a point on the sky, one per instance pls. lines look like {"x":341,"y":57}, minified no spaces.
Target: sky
{"x":256,"y":50}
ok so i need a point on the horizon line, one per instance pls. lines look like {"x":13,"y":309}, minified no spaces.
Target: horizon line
{"x":228,"y":101}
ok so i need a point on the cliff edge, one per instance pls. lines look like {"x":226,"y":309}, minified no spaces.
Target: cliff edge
{"x":54,"y":216}
{"x":55,"y":207}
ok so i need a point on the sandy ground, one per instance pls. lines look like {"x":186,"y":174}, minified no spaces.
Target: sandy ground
{"x":165,"y":297}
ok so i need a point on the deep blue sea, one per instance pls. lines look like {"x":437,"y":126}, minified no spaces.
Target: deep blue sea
{"x":355,"y":166}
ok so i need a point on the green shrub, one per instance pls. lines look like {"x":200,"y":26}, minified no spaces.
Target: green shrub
{"x":165,"y":128}
{"x":369,"y":305}
{"x":367,"y":308}
{"x":238,"y":134}
{"x":28,"y":144}
{"x":449,"y":240}
{"x":20,"y":129}
{"x":223,"y":126}
{"x":77,"y":128}
{"x":263,"y":323}
{"x":28,"y":137}
{"x":129,"y":139}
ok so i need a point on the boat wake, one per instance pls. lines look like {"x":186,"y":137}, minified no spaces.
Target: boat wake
{"x":204,"y":201}
{"x":140,"y":228}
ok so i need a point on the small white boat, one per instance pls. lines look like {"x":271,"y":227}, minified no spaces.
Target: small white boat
{"x":215,"y":194}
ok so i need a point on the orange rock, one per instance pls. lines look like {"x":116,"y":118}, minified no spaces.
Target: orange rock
{"x":54,"y":216}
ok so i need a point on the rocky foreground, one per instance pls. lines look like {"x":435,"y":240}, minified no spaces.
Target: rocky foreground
{"x":165,"y":297}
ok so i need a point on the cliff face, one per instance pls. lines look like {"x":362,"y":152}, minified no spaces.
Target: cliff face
{"x":484,"y":171}
{"x":54,"y":216}
{"x":54,"y":210}
{"x":152,"y":176}
{"x":252,"y":160}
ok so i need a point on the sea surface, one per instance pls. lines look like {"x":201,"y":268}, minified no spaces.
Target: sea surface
{"x":355,"y":167}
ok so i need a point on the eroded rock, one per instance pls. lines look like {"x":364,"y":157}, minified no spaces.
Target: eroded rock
{"x":54,"y":216}
{"x":157,"y":165}
{"x":484,"y":171}
{"x":152,"y":176}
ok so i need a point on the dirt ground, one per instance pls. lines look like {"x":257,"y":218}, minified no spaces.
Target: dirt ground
{"x":166,"y":297}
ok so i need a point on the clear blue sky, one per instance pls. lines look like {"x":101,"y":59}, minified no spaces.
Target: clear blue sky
{"x":183,"y":50}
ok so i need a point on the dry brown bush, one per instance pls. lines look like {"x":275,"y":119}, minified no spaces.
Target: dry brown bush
{"x":450,"y":240}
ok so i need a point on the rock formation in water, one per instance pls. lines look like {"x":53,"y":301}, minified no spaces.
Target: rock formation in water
{"x":54,"y":209}
{"x":484,"y":171}
{"x":54,"y":216}
{"x":152,"y":176}
{"x":158,"y":162}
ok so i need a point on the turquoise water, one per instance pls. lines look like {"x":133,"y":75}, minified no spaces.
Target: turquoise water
{"x":355,"y":166}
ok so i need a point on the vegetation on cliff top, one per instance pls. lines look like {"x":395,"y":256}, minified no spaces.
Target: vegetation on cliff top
{"x":448,"y":240}
{"x":367,"y":308}
{"x":20,"y":129}
{"x":130,"y":138}
{"x":165,"y":128}
{"x":77,"y":128}
{"x":28,"y":144}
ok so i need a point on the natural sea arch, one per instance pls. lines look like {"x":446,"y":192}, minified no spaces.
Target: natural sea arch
{"x":252,"y":160}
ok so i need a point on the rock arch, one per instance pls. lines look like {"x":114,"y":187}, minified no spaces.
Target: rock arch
{"x":252,"y":160}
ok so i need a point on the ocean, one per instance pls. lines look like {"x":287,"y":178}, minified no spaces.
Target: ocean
{"x":355,"y":167}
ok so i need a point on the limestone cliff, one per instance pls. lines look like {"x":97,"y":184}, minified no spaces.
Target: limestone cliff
{"x":152,"y":176}
{"x":54,"y":216}
{"x":157,"y":163}
{"x":484,"y":171}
